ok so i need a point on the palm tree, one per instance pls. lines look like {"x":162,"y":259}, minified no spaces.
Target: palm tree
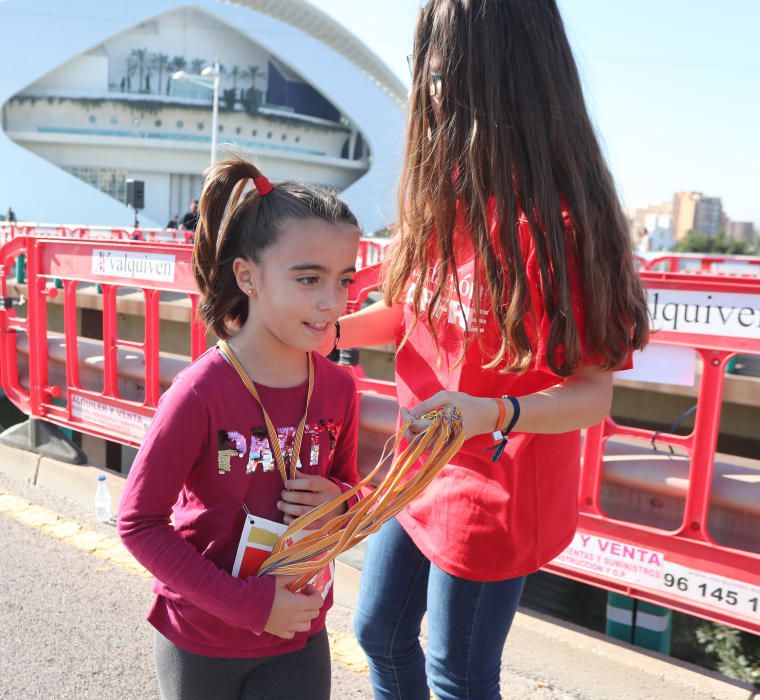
{"x":252,"y":73}
{"x":160,"y":63}
{"x":176,"y":64}
{"x":235,"y":73}
{"x":197,"y":65}
{"x":138,"y":62}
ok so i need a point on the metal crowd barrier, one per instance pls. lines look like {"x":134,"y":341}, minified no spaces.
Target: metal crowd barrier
{"x":371,"y":250}
{"x":699,"y":263}
{"x":109,"y":389}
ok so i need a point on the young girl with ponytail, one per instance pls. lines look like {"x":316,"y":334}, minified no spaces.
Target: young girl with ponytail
{"x":273,"y":265}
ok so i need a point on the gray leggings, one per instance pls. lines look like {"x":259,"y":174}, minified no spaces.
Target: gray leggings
{"x":300,"y":675}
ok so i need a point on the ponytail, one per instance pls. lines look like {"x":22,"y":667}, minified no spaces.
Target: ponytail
{"x":223,"y":188}
{"x":235,"y":221}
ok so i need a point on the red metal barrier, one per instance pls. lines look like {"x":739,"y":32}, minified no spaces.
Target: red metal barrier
{"x":685,"y":568}
{"x":371,"y":250}
{"x":110,"y":265}
{"x":682,"y":568}
{"x":700,"y":262}
{"x":11,"y":231}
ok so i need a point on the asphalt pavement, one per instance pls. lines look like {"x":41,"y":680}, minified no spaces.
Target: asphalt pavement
{"x":72,"y":607}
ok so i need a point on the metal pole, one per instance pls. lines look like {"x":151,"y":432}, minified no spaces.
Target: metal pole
{"x":215,"y":112}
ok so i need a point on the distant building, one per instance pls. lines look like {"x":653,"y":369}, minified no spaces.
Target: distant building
{"x":650,"y":226}
{"x":658,"y":235}
{"x":741,"y":231}
{"x":684,"y":207}
{"x":692,"y":211}
{"x":94,"y":104}
{"x":708,"y":216}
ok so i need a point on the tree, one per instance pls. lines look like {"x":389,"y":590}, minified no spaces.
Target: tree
{"x":695,"y":242}
{"x":698,"y":242}
{"x":252,"y":97}
{"x":235,"y":73}
{"x":229,"y":97}
{"x":138,"y":63}
{"x":160,"y":63}
{"x":197,"y":65}
{"x":251,"y":100}
{"x":176,"y":64}
{"x":737,"y":653}
{"x":252,"y":73}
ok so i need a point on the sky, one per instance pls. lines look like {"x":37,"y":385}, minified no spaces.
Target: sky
{"x":673,"y":87}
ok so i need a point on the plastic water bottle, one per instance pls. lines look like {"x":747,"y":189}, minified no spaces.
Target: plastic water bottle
{"x":102,"y":501}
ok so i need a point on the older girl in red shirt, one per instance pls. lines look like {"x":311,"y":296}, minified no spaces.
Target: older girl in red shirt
{"x":510,"y":277}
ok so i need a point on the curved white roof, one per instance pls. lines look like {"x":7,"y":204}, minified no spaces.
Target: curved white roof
{"x":313,"y":21}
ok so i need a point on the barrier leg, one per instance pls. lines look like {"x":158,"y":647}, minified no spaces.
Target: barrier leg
{"x":620,"y":612}
{"x":68,"y":432}
{"x":636,"y":622}
{"x":653,"y":627}
{"x":44,"y":438}
{"x":20,"y":269}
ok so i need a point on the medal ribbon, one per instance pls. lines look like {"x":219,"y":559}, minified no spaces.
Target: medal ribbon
{"x":274,"y":439}
{"x":306,"y":557}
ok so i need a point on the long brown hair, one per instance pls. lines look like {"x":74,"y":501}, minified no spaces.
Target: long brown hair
{"x":235,"y":221}
{"x":513,"y":132}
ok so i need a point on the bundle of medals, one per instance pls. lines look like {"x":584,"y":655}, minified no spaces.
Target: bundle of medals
{"x":314,"y":550}
{"x":308,"y":555}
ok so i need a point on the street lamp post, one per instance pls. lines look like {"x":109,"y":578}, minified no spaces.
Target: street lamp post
{"x":210,"y":78}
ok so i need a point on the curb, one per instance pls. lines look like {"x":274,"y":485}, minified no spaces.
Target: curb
{"x":74,"y":481}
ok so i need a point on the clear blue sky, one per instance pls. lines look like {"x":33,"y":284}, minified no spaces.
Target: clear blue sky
{"x":673,"y":87}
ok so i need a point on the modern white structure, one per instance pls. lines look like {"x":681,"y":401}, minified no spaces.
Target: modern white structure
{"x":88,"y":101}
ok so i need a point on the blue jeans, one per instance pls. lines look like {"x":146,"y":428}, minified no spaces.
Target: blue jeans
{"x":468,"y":622}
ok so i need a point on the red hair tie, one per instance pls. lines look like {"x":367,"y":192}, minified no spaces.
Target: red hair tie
{"x":263,"y":185}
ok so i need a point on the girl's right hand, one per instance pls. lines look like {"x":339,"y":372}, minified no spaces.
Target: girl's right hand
{"x":292,"y":612}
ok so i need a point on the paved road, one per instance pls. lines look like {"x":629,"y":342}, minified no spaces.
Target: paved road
{"x":72,"y":622}
{"x":72,"y":606}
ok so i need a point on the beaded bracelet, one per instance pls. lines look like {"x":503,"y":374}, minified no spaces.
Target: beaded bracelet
{"x":502,"y":435}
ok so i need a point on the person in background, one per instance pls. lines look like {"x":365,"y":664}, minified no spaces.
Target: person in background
{"x":173,"y":222}
{"x":190,"y":219}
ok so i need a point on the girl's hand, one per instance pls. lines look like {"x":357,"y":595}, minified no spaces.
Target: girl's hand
{"x":304,"y":494}
{"x":292,"y":612}
{"x":479,"y":414}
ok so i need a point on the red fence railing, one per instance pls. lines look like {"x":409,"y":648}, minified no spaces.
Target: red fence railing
{"x":683,"y":567}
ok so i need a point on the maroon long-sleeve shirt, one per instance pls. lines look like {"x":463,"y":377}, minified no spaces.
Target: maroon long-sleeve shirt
{"x":207,"y":454}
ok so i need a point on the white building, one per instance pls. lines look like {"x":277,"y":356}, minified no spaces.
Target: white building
{"x":659,"y":235}
{"x":651,"y":227}
{"x":88,"y":102}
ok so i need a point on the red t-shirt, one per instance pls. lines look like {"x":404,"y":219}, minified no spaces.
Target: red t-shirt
{"x":205,"y":455}
{"x":481,"y":520}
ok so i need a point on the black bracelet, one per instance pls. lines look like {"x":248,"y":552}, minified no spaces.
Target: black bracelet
{"x":337,"y":337}
{"x":502,"y":436}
